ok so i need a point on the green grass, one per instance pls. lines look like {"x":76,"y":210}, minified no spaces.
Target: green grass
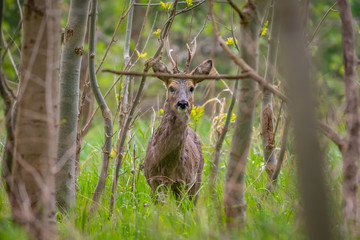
{"x":137,"y":217}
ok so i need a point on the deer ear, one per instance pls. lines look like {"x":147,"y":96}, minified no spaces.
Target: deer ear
{"x":160,"y":67}
{"x":205,"y":68}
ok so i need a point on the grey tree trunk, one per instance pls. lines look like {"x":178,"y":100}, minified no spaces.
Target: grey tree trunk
{"x":309,"y":159}
{"x":350,"y":149}
{"x":32,"y":185}
{"x":69,"y":102}
{"x":267,"y":130}
{"x":234,"y":198}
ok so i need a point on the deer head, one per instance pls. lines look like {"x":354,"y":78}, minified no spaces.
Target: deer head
{"x":180,"y":92}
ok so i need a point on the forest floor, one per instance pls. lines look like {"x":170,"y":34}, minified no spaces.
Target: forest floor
{"x":137,"y":217}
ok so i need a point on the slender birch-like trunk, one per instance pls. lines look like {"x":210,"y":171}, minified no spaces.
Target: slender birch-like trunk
{"x":267,"y":130}
{"x":350,"y":148}
{"x":234,"y":196}
{"x":309,"y":159}
{"x":32,"y":185}
{"x":106,"y":113}
{"x":69,"y":102}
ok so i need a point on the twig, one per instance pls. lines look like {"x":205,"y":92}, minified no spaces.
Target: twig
{"x":114,"y":34}
{"x":159,"y":4}
{"x":179,"y":76}
{"x":331,"y":134}
{"x":278,"y":117}
{"x":11,"y":42}
{"x":321,"y":21}
{"x":87,"y":125}
{"x":233,"y":5}
{"x":133,"y":178}
{"x":271,"y":184}
{"x":220,"y":141}
{"x":244,"y":66}
{"x":232,"y":30}
{"x":10,"y":56}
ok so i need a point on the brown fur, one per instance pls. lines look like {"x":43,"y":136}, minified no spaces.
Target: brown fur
{"x":174,"y":159}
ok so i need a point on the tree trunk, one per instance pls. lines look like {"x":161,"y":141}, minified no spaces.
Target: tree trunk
{"x":32,"y":185}
{"x":69,"y":102}
{"x":234,"y":199}
{"x":267,"y":131}
{"x":350,"y":150}
{"x":309,"y":159}
{"x":106,"y":113}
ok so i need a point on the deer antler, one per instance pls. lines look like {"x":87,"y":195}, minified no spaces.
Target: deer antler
{"x":191,"y":52}
{"x":192,"y":48}
{"x":168,"y":51}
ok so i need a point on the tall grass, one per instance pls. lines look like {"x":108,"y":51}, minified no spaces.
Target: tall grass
{"x":136,"y":216}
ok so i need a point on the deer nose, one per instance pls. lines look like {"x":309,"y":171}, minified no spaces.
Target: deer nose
{"x":182,"y":104}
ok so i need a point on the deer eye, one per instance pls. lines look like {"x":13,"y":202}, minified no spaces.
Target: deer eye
{"x":171,"y":89}
{"x":191,"y":89}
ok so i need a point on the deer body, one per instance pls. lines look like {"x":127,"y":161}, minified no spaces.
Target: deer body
{"x":174,"y":159}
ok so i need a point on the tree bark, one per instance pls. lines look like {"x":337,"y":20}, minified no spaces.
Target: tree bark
{"x":350,"y":150}
{"x":69,"y":102}
{"x":32,"y":185}
{"x":234,"y":198}
{"x":309,"y":159}
{"x":267,"y":131}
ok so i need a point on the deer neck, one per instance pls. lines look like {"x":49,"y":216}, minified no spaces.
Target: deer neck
{"x":172,"y":134}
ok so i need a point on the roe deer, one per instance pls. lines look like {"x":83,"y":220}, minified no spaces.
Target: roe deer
{"x":174,"y":159}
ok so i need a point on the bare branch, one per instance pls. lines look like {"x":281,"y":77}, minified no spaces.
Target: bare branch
{"x":321,"y":21}
{"x":123,"y":15}
{"x":330,"y":133}
{"x":233,"y":5}
{"x":244,"y":66}
{"x":106,"y":113}
{"x":271,"y":184}
{"x":179,"y":76}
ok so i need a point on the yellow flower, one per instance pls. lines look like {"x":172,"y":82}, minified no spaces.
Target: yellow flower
{"x":230,"y":41}
{"x":189,"y":3}
{"x":113,"y":153}
{"x":161,"y":111}
{"x":233,"y":117}
{"x":142,"y":55}
{"x":157,"y":32}
{"x":166,"y":6}
{"x":264,"y":29}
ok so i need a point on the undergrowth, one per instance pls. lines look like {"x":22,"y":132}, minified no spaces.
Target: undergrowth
{"x":136,"y":216}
